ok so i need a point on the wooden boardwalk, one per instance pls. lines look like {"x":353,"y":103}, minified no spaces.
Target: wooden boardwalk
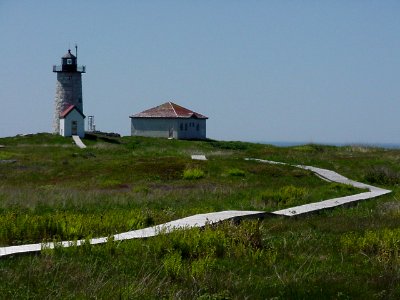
{"x":199,"y":157}
{"x":333,"y":177}
{"x":201,"y":220}
{"x":78,"y":142}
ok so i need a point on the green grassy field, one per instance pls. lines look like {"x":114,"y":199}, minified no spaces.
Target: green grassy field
{"x":56,"y":191}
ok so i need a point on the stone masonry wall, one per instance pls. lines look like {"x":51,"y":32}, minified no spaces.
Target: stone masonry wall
{"x":68,"y":92}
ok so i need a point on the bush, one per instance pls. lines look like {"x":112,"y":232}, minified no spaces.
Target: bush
{"x":110,"y":183}
{"x":288,"y":195}
{"x":382,"y":175}
{"x":141,"y":189}
{"x":200,"y":267}
{"x":173,"y":264}
{"x":236,"y":172}
{"x":229,"y":145}
{"x":193,"y":174}
{"x":5,"y":155}
{"x":20,"y":228}
{"x":383,"y":244}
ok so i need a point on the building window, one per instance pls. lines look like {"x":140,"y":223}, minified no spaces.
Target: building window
{"x":181,"y":126}
{"x":185,"y":126}
{"x":198,"y":127}
{"x":69,"y":61}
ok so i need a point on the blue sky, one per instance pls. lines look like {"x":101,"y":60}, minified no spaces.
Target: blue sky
{"x":308,"y":71}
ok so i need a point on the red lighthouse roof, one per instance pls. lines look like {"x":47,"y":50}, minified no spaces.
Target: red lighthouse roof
{"x":69,"y":109}
{"x":169,"y":110}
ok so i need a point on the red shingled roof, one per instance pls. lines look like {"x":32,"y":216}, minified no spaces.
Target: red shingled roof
{"x":68,"y":110}
{"x":169,"y":110}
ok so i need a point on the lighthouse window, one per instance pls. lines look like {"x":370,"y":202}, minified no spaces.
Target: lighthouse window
{"x":69,"y":61}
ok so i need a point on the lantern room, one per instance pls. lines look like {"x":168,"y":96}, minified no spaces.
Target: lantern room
{"x":68,"y":62}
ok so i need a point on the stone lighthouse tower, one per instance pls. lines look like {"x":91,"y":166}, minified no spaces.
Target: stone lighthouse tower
{"x":68,"y":92}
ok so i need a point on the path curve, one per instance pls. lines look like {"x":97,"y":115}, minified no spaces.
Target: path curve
{"x":201,"y":220}
{"x":333,"y":177}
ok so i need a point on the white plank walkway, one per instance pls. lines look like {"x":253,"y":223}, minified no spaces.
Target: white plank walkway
{"x":201,"y":220}
{"x":198,"y":157}
{"x":78,"y":141}
{"x":334,"y":177}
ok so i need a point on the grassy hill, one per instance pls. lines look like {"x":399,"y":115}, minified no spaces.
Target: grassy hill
{"x":52,"y":190}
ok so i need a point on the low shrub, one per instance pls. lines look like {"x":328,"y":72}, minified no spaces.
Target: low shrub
{"x":230,"y":145}
{"x":225,"y":240}
{"x":236,"y":172}
{"x":141,"y":189}
{"x":384,"y":244}
{"x":193,"y":174}
{"x":288,"y":195}
{"x":382,"y":175}
{"x":110,"y":183}
{"x":337,"y":187}
{"x":200,"y":267}
{"x":20,"y":228}
{"x":310,"y":147}
{"x":5,"y":155}
{"x":173,"y":264}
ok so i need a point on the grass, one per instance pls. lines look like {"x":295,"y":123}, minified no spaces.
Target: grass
{"x":55,"y":191}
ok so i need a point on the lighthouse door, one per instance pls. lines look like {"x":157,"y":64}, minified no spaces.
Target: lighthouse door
{"x":74,"y":128}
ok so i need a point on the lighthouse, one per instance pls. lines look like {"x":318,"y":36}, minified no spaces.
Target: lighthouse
{"x":68,"y":114}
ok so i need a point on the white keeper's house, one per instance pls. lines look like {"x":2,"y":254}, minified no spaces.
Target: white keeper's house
{"x":169,"y":120}
{"x":72,"y":122}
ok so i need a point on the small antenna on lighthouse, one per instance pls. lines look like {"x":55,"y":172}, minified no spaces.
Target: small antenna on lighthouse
{"x":76,"y":51}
